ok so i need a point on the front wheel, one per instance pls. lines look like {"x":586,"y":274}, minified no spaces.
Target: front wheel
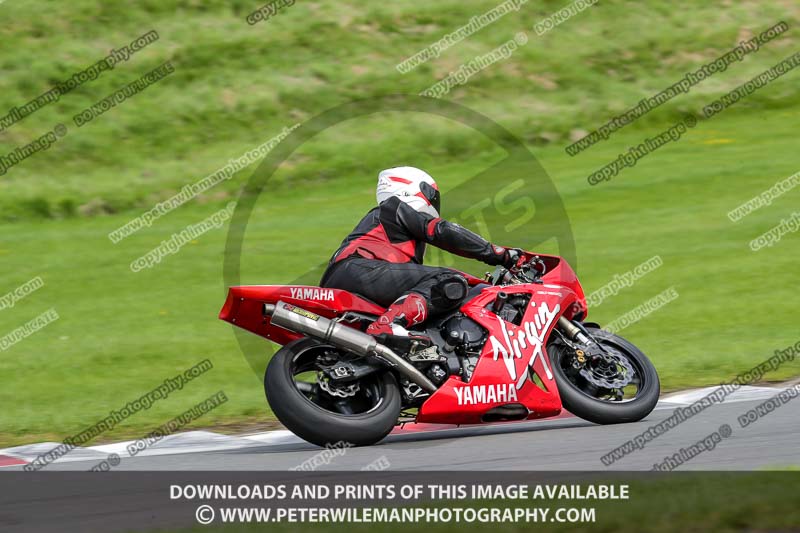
{"x":358,"y":413}
{"x":609,"y":386}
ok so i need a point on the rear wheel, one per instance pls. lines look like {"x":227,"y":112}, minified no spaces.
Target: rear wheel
{"x":609,"y":386}
{"x":357,"y":413}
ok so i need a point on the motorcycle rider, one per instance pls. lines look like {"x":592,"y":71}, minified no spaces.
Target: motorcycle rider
{"x":382,"y":257}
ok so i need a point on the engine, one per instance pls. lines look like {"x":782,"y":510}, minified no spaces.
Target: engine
{"x":465,"y":338}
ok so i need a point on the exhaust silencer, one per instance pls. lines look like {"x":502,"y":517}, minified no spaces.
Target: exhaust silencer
{"x":302,"y":321}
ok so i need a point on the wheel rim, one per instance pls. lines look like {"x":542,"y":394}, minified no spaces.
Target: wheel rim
{"x":357,"y":398}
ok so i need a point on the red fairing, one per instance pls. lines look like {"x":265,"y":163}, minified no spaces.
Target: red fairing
{"x":244,"y":306}
{"x":560,"y":273}
{"x":501,"y":376}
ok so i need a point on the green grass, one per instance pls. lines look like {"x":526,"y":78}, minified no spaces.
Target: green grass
{"x":236,"y":86}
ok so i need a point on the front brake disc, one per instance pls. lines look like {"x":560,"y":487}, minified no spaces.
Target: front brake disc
{"x":608,"y":377}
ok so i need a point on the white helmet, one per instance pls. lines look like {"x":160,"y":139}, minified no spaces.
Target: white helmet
{"x":412,"y":185}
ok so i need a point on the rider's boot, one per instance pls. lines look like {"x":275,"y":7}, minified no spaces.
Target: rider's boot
{"x":390,"y":328}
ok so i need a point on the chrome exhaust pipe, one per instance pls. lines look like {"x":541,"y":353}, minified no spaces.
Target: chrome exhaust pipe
{"x":299,"y":320}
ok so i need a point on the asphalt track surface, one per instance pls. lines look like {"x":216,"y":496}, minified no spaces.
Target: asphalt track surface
{"x":563,"y":444}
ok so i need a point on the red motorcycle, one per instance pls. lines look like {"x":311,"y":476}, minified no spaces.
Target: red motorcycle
{"x":517,"y":348}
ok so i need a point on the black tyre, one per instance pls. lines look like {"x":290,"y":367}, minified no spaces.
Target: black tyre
{"x":584,"y":397}
{"x":361,"y":418}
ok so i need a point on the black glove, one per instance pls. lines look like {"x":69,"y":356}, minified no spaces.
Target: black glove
{"x":511,"y":257}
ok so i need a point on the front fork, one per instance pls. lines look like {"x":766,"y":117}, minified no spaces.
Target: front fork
{"x":573,"y":332}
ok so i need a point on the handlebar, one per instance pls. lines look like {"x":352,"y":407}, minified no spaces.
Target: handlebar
{"x":530,"y":271}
